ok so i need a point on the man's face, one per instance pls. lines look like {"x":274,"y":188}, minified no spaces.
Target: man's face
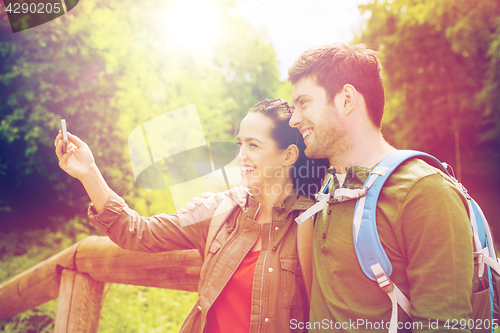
{"x":322,"y":127}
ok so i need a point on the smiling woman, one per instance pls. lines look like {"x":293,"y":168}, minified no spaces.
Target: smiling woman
{"x":251,"y":278}
{"x":269,"y":142}
{"x":260,"y":157}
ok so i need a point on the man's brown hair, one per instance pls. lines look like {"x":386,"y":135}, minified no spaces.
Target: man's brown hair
{"x":339,"y":64}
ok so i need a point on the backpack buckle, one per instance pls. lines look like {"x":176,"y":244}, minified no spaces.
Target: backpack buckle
{"x":479,"y":257}
{"x":322,"y":196}
{"x":385,"y":283}
{"x":383,"y":280}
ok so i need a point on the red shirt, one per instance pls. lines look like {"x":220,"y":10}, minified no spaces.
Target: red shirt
{"x":231,"y":310}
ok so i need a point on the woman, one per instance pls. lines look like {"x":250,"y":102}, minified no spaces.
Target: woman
{"x":251,"y":279}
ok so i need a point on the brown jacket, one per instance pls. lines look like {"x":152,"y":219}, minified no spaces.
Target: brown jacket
{"x":278,"y":295}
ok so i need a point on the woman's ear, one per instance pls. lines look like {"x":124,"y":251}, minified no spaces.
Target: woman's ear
{"x":291,"y":155}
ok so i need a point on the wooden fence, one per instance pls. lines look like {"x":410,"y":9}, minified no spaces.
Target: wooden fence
{"x":77,"y":276}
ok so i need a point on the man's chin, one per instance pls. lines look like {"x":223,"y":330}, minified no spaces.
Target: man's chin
{"x":311,"y":153}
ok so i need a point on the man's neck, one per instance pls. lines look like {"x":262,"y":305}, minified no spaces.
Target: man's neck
{"x":365,"y":152}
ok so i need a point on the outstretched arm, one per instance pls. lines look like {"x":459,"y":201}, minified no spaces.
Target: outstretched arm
{"x":158,"y":233}
{"x":123,"y":225}
{"x":79,"y":163}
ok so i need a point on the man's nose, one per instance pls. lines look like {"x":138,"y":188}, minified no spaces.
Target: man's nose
{"x":295,"y":119}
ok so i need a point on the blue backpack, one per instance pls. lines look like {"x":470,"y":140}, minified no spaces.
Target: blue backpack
{"x":375,"y":263}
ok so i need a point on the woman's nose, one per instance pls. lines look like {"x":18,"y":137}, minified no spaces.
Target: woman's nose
{"x":240,"y":154}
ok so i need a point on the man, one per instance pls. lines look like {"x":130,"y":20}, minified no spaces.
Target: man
{"x":422,"y":219}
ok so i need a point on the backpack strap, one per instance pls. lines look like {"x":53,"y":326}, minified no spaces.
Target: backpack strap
{"x":367,"y":243}
{"x":322,"y":199}
{"x":370,"y":253}
{"x":220,"y":216}
{"x":484,"y":255}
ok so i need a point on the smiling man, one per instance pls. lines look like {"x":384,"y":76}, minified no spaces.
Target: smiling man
{"x":422,"y":219}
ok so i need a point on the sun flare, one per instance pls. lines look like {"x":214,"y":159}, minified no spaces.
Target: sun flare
{"x":193,"y":24}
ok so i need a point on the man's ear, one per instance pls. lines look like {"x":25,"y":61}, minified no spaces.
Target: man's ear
{"x":291,"y":156}
{"x":348,"y":96}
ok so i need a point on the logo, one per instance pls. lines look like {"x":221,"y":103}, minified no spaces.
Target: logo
{"x":26,"y":14}
{"x":170,"y":151}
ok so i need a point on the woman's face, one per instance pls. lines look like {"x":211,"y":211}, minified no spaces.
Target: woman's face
{"x":260,"y":159}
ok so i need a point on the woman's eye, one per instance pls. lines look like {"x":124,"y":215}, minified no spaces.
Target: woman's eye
{"x":253,"y":145}
{"x":239,"y":144}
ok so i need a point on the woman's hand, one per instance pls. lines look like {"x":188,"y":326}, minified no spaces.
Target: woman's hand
{"x":78,"y":161}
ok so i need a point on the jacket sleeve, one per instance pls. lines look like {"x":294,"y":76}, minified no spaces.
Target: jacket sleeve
{"x":437,"y":235}
{"x":158,"y":233}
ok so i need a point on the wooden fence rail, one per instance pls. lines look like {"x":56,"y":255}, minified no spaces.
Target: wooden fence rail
{"x":77,"y":275}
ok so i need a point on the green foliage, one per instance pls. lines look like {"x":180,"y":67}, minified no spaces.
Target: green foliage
{"x":37,"y":320}
{"x":441,"y":69}
{"x":133,"y":309}
{"x":284,"y":90}
{"x":100,"y":68}
{"x":23,"y":249}
{"x":45,"y":76}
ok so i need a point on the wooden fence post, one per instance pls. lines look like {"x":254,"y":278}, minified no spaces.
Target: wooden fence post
{"x":35,"y":286}
{"x":79,"y":304}
{"x":97,"y":260}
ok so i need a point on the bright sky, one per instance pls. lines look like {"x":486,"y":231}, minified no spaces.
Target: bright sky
{"x":293,"y":25}
{"x":296,"y":25}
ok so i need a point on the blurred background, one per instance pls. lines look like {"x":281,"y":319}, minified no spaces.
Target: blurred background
{"x":107,"y":67}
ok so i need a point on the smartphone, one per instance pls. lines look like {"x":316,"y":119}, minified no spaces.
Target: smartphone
{"x":64,"y":136}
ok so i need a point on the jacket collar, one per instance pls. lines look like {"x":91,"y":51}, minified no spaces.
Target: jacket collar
{"x":355,"y":177}
{"x":292,"y":203}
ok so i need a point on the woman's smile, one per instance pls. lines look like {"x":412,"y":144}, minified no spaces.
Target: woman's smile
{"x":246,"y":169}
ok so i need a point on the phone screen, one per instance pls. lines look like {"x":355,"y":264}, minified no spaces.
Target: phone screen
{"x":64,"y":136}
